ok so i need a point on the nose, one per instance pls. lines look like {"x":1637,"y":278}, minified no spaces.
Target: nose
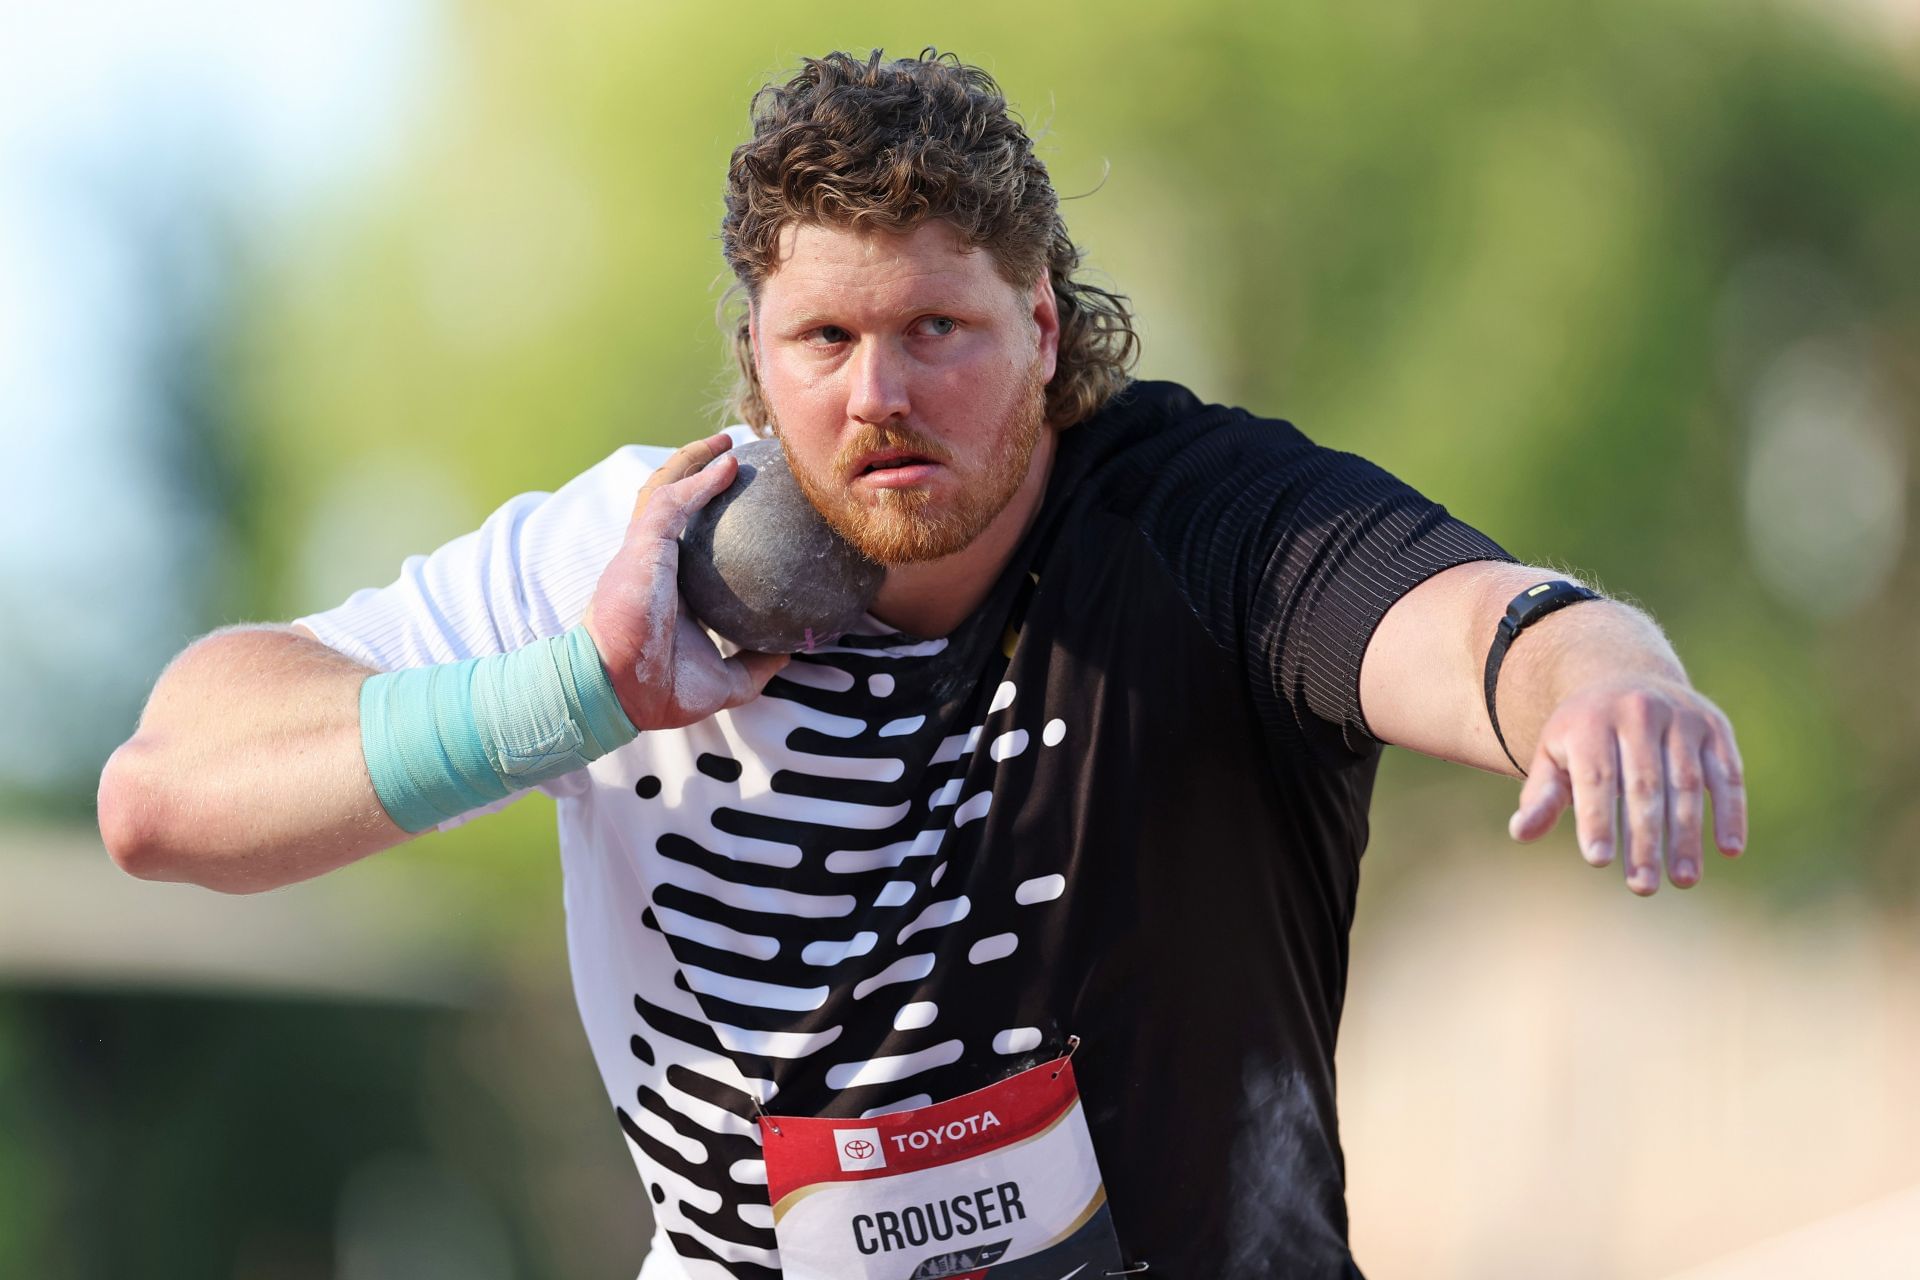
{"x":876,"y":383}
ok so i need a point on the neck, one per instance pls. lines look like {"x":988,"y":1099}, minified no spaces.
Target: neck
{"x":933,"y":598}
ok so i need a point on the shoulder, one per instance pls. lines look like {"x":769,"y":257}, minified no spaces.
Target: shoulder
{"x":1151,"y":422}
{"x":1157,"y":442}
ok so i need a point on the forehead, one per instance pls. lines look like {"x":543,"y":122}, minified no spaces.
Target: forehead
{"x":817,"y":264}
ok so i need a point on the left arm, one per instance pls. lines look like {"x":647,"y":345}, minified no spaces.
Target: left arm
{"x":1592,"y":696}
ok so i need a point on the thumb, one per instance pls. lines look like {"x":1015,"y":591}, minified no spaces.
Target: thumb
{"x":1548,"y":791}
{"x":662,"y":515}
{"x":748,"y":673}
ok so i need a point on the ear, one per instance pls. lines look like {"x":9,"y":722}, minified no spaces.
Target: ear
{"x":757,"y":386}
{"x":1046,"y":318}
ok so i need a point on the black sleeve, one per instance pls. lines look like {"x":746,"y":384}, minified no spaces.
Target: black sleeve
{"x":1290,"y":554}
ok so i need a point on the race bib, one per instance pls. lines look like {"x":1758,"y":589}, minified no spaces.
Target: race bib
{"x":1002,"y":1181}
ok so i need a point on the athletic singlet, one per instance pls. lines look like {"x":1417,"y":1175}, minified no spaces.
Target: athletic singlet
{"x":1125,"y":802}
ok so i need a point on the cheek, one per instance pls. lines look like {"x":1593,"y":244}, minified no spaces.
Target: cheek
{"x":799,"y":396}
{"x":805,"y":414}
{"x":989,"y":379}
{"x":779,"y":376}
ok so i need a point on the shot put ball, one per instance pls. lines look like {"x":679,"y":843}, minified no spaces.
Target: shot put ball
{"x":761,"y":567}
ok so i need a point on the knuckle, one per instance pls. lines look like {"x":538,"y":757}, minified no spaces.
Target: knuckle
{"x":1720,"y":732}
{"x":1686,"y":778}
{"x":651,"y":528}
{"x":649,"y":498}
{"x":1594,"y":817}
{"x":1643,"y":786}
{"x":1637,"y":706}
{"x":1594,"y":774}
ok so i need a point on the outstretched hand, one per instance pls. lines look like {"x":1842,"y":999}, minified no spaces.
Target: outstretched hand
{"x":664,"y":667}
{"x":1660,"y":746}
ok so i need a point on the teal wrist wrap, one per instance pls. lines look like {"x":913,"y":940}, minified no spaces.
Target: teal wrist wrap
{"x":442,"y":740}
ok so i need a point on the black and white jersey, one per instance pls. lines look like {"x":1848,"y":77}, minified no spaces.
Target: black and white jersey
{"x":1125,"y":802}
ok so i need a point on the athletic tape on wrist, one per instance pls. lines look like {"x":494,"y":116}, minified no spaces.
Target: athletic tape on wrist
{"x":442,"y":740}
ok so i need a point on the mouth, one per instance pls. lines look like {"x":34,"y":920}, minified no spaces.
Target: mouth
{"x":894,"y":468}
{"x":892,"y":460}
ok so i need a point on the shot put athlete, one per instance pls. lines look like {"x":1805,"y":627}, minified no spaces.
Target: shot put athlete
{"x":1040,"y":877}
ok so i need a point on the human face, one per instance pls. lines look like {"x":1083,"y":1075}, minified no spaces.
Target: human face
{"x":906,"y":379}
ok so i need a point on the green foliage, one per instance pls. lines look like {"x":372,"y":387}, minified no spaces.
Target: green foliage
{"x":29,"y":1169}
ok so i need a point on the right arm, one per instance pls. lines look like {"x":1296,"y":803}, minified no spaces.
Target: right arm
{"x":247,"y":770}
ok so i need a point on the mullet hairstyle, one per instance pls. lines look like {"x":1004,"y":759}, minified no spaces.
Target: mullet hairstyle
{"x":883,"y":146}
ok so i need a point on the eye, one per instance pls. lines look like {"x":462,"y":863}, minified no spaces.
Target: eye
{"x":830,"y":335}
{"x":938,"y":326}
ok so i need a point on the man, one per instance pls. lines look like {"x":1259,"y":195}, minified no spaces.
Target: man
{"x":1083,"y":799}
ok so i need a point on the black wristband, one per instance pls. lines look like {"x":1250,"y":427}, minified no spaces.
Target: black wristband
{"x":1525,"y":609}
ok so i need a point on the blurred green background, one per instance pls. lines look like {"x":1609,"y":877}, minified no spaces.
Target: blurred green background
{"x":289,"y":295}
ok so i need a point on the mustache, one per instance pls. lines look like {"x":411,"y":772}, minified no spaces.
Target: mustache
{"x":891,"y":437}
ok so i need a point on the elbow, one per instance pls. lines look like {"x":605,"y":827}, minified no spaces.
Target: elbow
{"x":129,"y":809}
{"x":140,"y":827}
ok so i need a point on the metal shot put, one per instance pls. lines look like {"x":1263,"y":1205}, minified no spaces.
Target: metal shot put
{"x":760,"y":566}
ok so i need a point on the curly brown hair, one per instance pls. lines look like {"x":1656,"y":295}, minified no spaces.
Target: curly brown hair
{"x":878,"y":145}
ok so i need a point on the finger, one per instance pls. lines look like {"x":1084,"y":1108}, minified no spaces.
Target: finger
{"x":748,"y":673}
{"x":1686,"y":801}
{"x":1726,"y":783}
{"x":669,"y":510}
{"x":1544,"y":797}
{"x":1593,"y":766}
{"x":1643,"y":787}
{"x":683,"y":462}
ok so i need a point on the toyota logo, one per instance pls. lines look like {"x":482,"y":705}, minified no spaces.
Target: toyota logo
{"x":859,"y":1149}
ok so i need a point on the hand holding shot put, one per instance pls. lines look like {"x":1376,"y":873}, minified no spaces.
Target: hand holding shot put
{"x":665,"y":669}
